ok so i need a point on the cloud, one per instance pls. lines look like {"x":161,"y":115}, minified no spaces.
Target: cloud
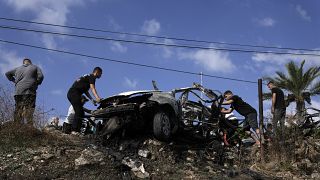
{"x":52,"y":12}
{"x":214,"y":61}
{"x":151,"y":27}
{"x":167,"y":51}
{"x":57,"y":92}
{"x":9,"y":60}
{"x":303,"y":13}
{"x":118,"y":47}
{"x":132,"y":84}
{"x":266,"y":22}
{"x":271,"y":62}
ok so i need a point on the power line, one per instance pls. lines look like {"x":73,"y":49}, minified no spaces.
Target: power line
{"x":155,"y":43}
{"x":158,"y":37}
{"x":126,"y":62}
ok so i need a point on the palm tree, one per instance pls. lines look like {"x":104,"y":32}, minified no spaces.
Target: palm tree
{"x":301,"y":84}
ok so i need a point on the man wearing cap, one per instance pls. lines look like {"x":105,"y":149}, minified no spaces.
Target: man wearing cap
{"x":26,"y":78}
{"x":79,"y":87}
{"x":278,"y":109}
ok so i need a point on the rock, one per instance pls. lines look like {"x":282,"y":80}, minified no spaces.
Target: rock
{"x":47,"y":156}
{"x":190,"y":159}
{"x":136,"y":167}
{"x":9,"y":156}
{"x":153,"y":142}
{"x":36,"y":158}
{"x":315,"y":175}
{"x":89,"y":156}
{"x":144,"y":153}
{"x":31,"y":151}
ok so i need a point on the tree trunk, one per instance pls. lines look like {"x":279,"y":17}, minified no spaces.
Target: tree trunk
{"x":300,"y":106}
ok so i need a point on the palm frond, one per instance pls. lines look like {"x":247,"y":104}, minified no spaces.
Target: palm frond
{"x":315,"y":89}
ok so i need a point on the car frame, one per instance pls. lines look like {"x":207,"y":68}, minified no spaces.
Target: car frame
{"x":165,"y":112}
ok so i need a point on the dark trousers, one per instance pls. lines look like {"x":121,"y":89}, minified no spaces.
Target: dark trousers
{"x":74,"y":97}
{"x":279,"y":116}
{"x":24,"y":108}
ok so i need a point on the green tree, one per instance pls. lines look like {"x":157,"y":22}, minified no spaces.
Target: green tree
{"x":300,"y":83}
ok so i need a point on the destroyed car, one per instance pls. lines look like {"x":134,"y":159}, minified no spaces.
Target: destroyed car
{"x":162,"y":112}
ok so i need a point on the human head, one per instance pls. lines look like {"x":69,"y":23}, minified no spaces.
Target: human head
{"x":97,"y":72}
{"x":26,"y":61}
{"x":55,"y":121}
{"x":227,"y":95}
{"x":270,"y":85}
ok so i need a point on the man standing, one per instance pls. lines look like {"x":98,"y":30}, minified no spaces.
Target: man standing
{"x":245,"y":110}
{"x":27,"y":78}
{"x":79,"y":87}
{"x":278,"y":109}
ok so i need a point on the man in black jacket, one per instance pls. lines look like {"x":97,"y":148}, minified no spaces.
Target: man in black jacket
{"x":79,"y":87}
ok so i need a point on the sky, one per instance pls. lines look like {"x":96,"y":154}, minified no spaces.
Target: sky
{"x":294,"y":24}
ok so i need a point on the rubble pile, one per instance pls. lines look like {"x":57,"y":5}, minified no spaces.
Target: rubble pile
{"x":143,"y":157}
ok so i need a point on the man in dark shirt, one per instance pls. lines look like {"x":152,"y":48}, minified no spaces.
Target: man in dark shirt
{"x":278,"y":109}
{"x":26,"y":78}
{"x":245,"y":110}
{"x":79,"y":87}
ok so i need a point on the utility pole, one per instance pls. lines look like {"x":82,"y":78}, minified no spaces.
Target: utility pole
{"x":261,"y":119}
{"x":201,"y":76}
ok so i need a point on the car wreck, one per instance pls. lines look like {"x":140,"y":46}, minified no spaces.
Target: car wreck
{"x":192,"y":108}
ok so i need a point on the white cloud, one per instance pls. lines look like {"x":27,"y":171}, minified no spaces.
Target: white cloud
{"x":214,"y":61}
{"x":9,"y":60}
{"x":167,"y":51}
{"x":271,"y":62}
{"x":57,"y":92}
{"x":303,"y":13}
{"x":266,"y":22}
{"x":132,"y":84}
{"x":47,"y":11}
{"x":151,"y":27}
{"x":118,"y":47}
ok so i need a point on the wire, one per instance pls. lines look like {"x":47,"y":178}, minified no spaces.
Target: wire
{"x":154,"y":43}
{"x":126,"y":62}
{"x":158,"y":37}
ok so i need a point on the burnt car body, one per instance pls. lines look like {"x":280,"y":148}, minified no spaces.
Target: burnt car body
{"x":162,"y":112}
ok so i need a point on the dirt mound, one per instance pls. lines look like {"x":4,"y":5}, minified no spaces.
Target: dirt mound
{"x":30,"y":153}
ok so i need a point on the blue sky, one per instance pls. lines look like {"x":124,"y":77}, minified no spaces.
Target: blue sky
{"x":257,"y":22}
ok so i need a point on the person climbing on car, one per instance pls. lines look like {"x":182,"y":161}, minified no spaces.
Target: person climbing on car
{"x":245,"y":110}
{"x":67,"y":124}
{"x":79,"y":87}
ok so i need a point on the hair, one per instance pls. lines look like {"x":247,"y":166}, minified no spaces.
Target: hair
{"x":97,"y":69}
{"x":26,"y":59}
{"x":227,"y":92}
{"x":270,"y":82}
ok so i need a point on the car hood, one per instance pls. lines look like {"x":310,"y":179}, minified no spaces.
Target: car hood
{"x":129,"y":93}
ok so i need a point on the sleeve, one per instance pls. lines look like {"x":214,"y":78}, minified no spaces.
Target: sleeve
{"x":40,"y":76}
{"x":92,"y":80}
{"x":10,"y":75}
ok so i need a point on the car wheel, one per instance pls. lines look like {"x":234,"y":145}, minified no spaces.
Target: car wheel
{"x":162,"y":126}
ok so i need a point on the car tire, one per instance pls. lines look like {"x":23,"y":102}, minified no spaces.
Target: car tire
{"x":162,"y":126}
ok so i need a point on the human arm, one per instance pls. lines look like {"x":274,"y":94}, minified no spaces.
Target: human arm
{"x":274,"y":96}
{"x":10,"y":75}
{"x":228,"y":102}
{"x":40,"y":76}
{"x":94,"y":92}
{"x":226,"y":111}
